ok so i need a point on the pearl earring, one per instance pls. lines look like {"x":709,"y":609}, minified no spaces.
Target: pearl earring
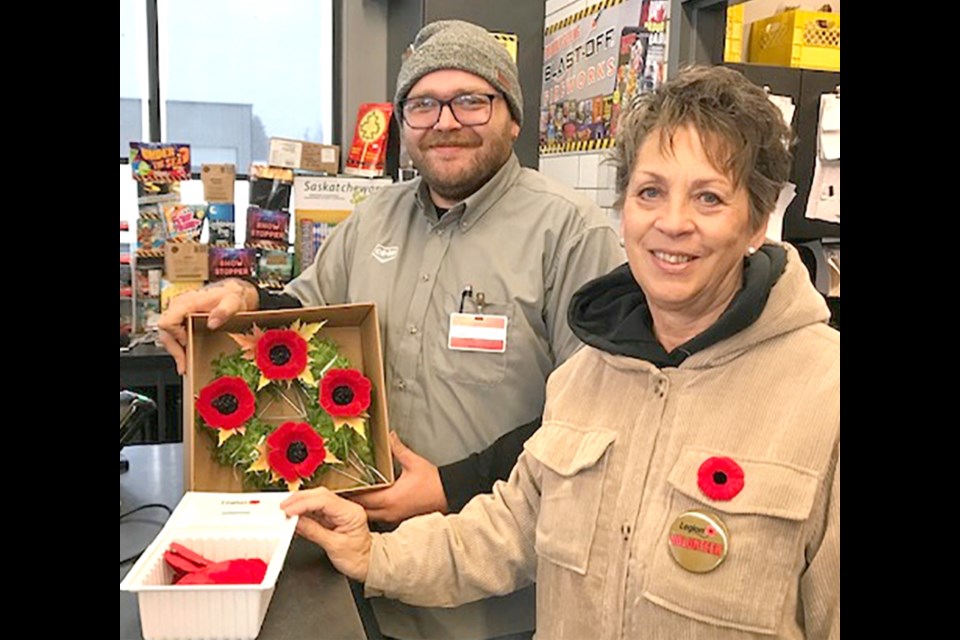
{"x":751,"y":251}
{"x":622,"y":242}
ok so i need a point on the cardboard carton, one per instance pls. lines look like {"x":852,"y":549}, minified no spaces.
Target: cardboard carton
{"x":297,"y":154}
{"x":354,"y":327}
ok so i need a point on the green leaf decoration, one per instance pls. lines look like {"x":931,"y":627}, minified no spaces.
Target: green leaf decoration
{"x":241,"y":450}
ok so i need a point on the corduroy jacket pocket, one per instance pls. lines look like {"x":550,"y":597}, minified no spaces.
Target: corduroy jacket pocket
{"x":764,"y":522}
{"x":574,"y":468}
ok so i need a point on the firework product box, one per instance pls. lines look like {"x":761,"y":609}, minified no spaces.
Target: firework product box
{"x":184,"y":222}
{"x":274,"y":268}
{"x":218,"y":182}
{"x":186,"y":262}
{"x":218,"y":526}
{"x":159,"y":162}
{"x":227,"y":262}
{"x":369,"y":149}
{"x":220,"y":217}
{"x":267,"y":229}
{"x":309,"y":156}
{"x":355,"y":330}
{"x":270,"y":187}
{"x":322,"y":203}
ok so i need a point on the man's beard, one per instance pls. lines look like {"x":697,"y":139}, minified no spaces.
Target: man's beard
{"x":457,"y":184}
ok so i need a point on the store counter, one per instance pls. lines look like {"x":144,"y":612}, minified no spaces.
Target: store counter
{"x":312,"y":599}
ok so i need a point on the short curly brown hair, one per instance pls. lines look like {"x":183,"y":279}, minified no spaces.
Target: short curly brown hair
{"x":742,"y":132}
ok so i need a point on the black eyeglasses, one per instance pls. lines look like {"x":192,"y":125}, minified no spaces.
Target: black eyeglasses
{"x":469,"y":109}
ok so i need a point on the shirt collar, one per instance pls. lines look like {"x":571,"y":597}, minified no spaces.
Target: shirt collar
{"x":471,"y":209}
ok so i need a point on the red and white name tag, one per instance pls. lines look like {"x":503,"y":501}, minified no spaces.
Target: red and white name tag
{"x":472,"y":332}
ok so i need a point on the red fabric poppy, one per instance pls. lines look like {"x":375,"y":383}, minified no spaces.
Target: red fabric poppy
{"x":183,"y":561}
{"x":226,"y":403}
{"x":720,"y":478}
{"x":295,"y":450}
{"x":345,"y":392}
{"x":281,"y":354}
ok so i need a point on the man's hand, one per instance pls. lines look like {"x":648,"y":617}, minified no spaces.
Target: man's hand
{"x":418,"y":490}
{"x":221,"y":299}
{"x":337,"y":525}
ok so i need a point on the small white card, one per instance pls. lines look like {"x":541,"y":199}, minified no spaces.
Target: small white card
{"x":829,"y":142}
{"x":477,"y":332}
{"x":786,"y":106}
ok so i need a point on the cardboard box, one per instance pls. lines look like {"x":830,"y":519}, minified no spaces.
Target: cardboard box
{"x":298,"y":154}
{"x":354,"y":327}
{"x":218,"y":182}
{"x":218,"y":527}
{"x":186,"y":262}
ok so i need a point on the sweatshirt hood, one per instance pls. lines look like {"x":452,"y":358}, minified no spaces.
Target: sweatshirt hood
{"x":611,"y":312}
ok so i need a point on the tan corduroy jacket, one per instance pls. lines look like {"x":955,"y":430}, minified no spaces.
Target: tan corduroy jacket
{"x":587,"y":511}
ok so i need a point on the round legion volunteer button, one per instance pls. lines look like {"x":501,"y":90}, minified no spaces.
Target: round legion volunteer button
{"x":698,"y":541}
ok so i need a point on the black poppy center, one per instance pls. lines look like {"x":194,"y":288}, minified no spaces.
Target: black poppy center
{"x":719,"y":477}
{"x":226,"y":403}
{"x":297,"y":452}
{"x":342,"y":395}
{"x":280,"y":354}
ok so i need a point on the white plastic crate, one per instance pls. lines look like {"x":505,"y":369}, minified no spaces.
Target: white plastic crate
{"x":218,"y":526}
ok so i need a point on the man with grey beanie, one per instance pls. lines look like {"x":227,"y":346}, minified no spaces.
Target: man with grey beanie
{"x":472,"y":267}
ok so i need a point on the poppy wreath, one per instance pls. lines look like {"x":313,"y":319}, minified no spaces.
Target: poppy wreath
{"x":319,"y":421}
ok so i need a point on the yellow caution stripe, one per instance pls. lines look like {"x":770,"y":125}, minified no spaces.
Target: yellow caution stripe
{"x":580,"y":15}
{"x":577,"y":146}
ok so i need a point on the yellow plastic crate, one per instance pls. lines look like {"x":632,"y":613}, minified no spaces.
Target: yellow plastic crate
{"x":799,"y":39}
{"x":733,"y":43}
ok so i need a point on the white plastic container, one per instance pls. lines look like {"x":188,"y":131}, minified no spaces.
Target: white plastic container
{"x":218,"y":526}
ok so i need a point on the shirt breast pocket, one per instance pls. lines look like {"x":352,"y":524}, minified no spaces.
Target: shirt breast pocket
{"x":476,"y":366}
{"x":574,"y":466}
{"x":764,"y":523}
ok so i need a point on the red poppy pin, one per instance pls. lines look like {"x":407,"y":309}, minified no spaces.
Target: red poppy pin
{"x":292,"y":452}
{"x":226,"y":404}
{"x":280,"y":354}
{"x":720,"y":478}
{"x":345,"y":395}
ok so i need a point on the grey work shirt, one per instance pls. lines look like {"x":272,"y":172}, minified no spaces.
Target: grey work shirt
{"x":523,"y":241}
{"x":526,"y":243}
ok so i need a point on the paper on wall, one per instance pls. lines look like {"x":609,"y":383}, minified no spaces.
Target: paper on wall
{"x":823,"y":203}
{"x":786,"y":106}
{"x":829,"y":129}
{"x":775,"y":225}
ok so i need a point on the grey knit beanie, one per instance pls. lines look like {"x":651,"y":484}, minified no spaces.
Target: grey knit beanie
{"x":454,"y":44}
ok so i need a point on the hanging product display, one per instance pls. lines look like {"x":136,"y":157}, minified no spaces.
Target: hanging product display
{"x":369,"y":149}
{"x":322,"y":203}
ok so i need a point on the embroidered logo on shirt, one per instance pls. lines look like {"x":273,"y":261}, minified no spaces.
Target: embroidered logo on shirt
{"x":385,"y":254}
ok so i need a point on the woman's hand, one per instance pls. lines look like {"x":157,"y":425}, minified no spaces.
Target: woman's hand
{"x":337,"y":525}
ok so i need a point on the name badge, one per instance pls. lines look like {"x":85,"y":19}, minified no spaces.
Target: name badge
{"x":473,"y":332}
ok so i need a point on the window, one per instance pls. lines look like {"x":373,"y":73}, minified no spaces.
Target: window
{"x":231,"y":74}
